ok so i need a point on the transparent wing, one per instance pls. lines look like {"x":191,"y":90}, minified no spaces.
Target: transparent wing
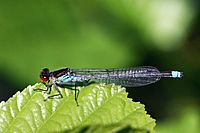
{"x":128,"y":77}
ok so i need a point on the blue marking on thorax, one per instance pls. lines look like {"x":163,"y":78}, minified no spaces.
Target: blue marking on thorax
{"x":176,"y":74}
{"x":66,"y":78}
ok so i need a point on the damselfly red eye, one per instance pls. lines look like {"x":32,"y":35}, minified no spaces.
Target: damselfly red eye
{"x":43,"y":78}
{"x":44,"y":75}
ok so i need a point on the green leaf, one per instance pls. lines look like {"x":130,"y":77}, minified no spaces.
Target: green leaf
{"x":101,"y":107}
{"x":107,"y":128}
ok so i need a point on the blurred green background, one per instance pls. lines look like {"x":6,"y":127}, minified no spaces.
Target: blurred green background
{"x":107,"y":34}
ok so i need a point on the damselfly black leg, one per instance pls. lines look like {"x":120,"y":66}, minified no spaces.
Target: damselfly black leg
{"x":59,"y":93}
{"x":48,"y":88}
{"x":76,"y":96}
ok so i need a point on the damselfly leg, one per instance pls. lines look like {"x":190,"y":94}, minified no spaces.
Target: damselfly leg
{"x":55,"y":95}
{"x":48,"y":87}
{"x":76,"y":95}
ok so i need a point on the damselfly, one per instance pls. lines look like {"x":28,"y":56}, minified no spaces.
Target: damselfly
{"x":127,"y":77}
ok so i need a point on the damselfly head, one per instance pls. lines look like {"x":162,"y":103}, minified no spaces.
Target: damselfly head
{"x":45,"y":74}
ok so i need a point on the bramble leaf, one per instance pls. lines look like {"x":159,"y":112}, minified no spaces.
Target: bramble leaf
{"x":102,"y":108}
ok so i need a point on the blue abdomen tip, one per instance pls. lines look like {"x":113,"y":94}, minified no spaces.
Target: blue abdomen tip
{"x":177,"y":74}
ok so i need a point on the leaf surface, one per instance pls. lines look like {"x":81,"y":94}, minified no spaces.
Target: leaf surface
{"x":101,"y":107}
